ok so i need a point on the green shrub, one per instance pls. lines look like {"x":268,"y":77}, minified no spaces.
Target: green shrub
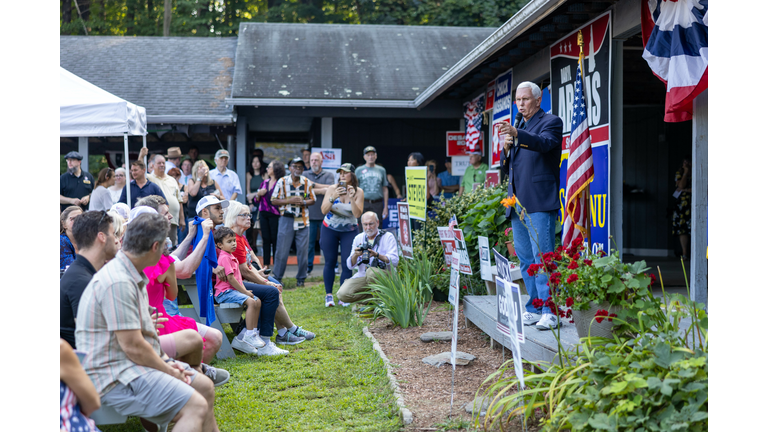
{"x":404,"y":295}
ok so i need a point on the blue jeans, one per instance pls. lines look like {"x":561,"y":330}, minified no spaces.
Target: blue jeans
{"x":534,"y":236}
{"x":270,"y":300}
{"x":314,"y":227}
{"x":284,"y":240}
{"x":329,"y":243}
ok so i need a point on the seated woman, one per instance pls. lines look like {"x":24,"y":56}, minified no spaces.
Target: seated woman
{"x":342,"y":205}
{"x":67,"y":249}
{"x":78,"y":396}
{"x":162,"y":284}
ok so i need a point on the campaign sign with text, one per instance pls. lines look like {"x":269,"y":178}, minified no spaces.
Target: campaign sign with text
{"x":459,"y":165}
{"x":448,"y":242}
{"x":455,"y":144}
{"x":485,"y":258}
{"x":416,"y":184}
{"x":509,"y":289}
{"x":564,"y":56}
{"x":490,"y":90}
{"x":331,"y":157}
{"x":391,"y":220}
{"x":463,"y":254}
{"x":503,"y":313}
{"x":453,"y":290}
{"x":491,"y":178}
{"x":406,"y":241}
{"x":502,"y":112}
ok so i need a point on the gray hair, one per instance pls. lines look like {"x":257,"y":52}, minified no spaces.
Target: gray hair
{"x":154,"y":159}
{"x":144,"y":231}
{"x":535,"y":90}
{"x":152,"y":201}
{"x":117,"y":222}
{"x":375,"y":216}
{"x":231,"y":212}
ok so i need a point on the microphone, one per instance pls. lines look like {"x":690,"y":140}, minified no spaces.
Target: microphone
{"x":518,"y":118}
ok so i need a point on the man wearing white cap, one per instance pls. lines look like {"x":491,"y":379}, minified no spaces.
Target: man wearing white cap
{"x":228,"y":180}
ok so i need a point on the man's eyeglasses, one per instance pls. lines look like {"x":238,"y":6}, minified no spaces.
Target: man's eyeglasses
{"x":245,"y":215}
{"x":103,"y":215}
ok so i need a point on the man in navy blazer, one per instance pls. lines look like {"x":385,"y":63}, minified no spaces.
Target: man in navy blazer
{"x":531,"y":160}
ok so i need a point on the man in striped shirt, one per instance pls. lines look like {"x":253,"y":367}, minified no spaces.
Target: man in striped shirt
{"x":124,"y":361}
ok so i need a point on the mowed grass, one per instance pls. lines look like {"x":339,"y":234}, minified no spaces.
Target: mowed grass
{"x":336,"y":382}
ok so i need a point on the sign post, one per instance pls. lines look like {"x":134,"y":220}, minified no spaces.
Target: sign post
{"x":503,"y":313}
{"x":453,"y":298}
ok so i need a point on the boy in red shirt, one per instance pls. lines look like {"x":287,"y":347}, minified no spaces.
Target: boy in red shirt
{"x":231,"y":290}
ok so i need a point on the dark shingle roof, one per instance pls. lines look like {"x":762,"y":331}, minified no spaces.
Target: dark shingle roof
{"x":169,"y":76}
{"x":329,"y":61}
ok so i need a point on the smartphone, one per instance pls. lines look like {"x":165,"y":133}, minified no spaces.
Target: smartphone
{"x":431,"y":168}
{"x":267,"y":271}
{"x":343,"y":184}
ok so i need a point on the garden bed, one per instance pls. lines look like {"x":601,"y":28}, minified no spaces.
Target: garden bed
{"x":427,"y":389}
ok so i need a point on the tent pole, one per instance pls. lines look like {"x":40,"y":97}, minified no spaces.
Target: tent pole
{"x":144,"y":144}
{"x":128,"y":165}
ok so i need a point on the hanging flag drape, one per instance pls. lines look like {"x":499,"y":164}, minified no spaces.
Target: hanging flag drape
{"x":473,"y":114}
{"x":675,"y":36}
{"x":581,"y":170}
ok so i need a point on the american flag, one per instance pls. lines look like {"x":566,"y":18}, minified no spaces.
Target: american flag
{"x":452,"y":223}
{"x":473,"y":113}
{"x":676,"y":41}
{"x":581,"y":171}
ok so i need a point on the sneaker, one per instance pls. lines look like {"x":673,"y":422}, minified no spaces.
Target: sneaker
{"x":288,"y":339}
{"x":254,"y":340}
{"x":300,"y":332}
{"x":218,"y":376}
{"x":271,"y":349}
{"x":299,"y":284}
{"x":329,"y":300}
{"x":548,"y":321}
{"x":531,"y":318}
{"x":342,"y":304}
{"x":242,"y":346}
{"x":338,"y":270}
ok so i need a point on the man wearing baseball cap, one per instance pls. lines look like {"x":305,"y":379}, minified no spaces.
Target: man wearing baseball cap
{"x":75,"y":185}
{"x":373,"y":181}
{"x":228,"y":180}
{"x":475,"y":172}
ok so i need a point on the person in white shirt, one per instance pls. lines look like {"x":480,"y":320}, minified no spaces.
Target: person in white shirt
{"x":227,"y":179}
{"x":373,"y":251}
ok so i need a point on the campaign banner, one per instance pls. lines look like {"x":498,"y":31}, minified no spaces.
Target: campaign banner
{"x":331,"y":157}
{"x":502,"y":112}
{"x":509,"y":289}
{"x":406,"y":241}
{"x":504,"y":314}
{"x":416,"y":184}
{"x":459,"y":165}
{"x":448,"y":242}
{"x":456,"y":145}
{"x":564,"y":56}
{"x":485,"y":258}
{"x":390,"y":221}
{"x":492,"y":178}
{"x":461,"y":252}
{"x":453,"y":290}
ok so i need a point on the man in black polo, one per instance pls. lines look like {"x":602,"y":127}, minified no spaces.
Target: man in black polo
{"x":140,"y":186}
{"x":75,"y":185}
{"x":95,"y":236}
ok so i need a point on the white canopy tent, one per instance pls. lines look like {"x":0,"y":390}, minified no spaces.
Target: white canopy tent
{"x":87,"y":111}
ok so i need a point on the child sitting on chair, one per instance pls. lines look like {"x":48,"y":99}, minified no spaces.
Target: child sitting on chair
{"x":231,"y":290}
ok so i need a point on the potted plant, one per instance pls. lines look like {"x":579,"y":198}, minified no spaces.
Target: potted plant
{"x":594,"y":288}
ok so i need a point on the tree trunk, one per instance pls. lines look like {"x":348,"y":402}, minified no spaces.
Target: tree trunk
{"x":130,"y":13}
{"x":167,"y":18}
{"x":66,"y":12}
{"x":85,"y":8}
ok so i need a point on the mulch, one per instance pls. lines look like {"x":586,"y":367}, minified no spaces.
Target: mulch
{"x":427,"y":389}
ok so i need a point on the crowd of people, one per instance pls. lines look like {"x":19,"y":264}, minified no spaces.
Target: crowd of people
{"x":121,"y":263}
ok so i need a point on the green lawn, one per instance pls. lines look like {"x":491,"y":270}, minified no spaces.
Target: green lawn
{"x":336,"y":382}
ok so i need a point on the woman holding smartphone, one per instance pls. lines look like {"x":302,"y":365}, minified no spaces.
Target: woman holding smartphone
{"x":342,"y":206}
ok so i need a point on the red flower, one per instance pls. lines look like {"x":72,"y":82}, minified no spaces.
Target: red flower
{"x":551,"y":266}
{"x":573,"y":265}
{"x":571,"y":321}
{"x":569,"y":301}
{"x":559,"y":249}
{"x":547,"y":257}
{"x":555,"y":278}
{"x":588,"y":262}
{"x":464,"y":287}
{"x":533,"y":269}
{"x":537,"y":303}
{"x":562,"y":313}
{"x":568,"y":314}
{"x":573,"y":278}
{"x":558,"y":257}
{"x":600,"y":315}
{"x":653,"y":279}
{"x":610,"y":317}
{"x":601,"y":253}
{"x":577,"y":241}
{"x":552,"y":306}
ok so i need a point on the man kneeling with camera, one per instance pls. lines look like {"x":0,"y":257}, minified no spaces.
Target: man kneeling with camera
{"x":373,"y":251}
